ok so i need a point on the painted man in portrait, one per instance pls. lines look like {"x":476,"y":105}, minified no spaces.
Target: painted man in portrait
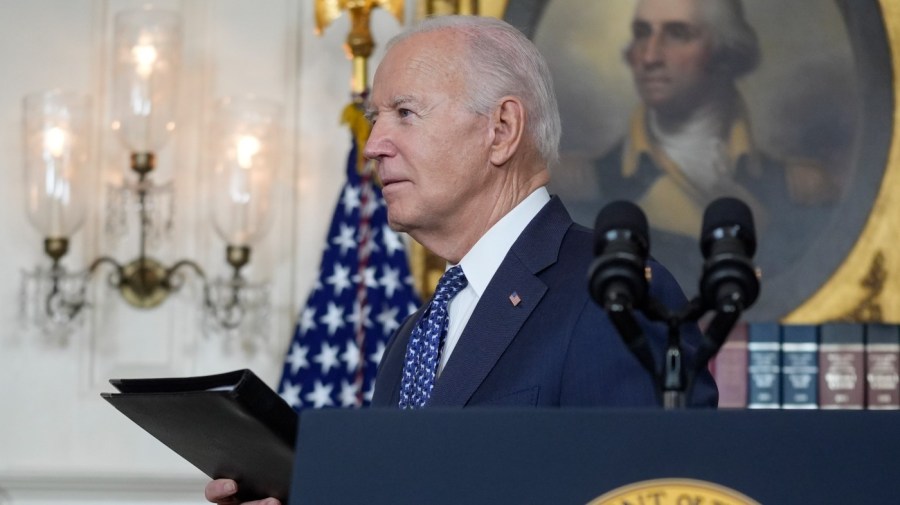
{"x":691,"y":140}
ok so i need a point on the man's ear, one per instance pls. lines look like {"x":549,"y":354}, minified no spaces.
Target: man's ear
{"x":508,"y":127}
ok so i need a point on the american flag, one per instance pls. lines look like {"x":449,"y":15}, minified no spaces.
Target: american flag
{"x":363,"y":293}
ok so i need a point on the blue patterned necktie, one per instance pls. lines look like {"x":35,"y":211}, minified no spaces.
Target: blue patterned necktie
{"x":424,"y":349}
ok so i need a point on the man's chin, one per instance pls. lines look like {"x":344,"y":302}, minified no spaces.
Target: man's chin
{"x":396,"y":225}
{"x":656,"y":99}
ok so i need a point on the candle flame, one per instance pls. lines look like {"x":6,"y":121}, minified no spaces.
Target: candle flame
{"x":55,"y":140}
{"x":145,"y":56}
{"x":248,"y":146}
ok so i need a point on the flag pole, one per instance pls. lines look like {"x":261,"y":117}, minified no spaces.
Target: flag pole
{"x":359,"y":43}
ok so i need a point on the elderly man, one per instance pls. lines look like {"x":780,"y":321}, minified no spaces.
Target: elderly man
{"x":691,"y":141}
{"x":465,"y":128}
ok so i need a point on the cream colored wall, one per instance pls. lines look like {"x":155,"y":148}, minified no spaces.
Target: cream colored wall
{"x":59,"y":442}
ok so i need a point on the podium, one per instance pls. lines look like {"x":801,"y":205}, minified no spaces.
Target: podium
{"x":560,"y":457}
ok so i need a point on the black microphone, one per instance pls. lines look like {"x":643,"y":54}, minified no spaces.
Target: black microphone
{"x":616,"y":279}
{"x":729,"y":281}
{"x":617,"y":276}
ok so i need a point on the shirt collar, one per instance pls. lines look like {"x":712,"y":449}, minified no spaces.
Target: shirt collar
{"x":739,"y":143}
{"x":484,"y":258}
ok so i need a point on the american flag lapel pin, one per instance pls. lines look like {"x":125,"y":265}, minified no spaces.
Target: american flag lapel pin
{"x":515,"y":299}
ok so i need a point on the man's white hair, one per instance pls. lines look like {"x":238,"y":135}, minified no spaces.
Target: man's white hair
{"x":735,"y":44}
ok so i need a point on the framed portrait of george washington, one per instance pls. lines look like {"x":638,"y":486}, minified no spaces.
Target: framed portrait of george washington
{"x":788,"y":105}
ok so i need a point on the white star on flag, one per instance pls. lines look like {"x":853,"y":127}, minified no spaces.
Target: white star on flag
{"x":327,"y":357}
{"x":388,"y":319}
{"x":368,"y":278}
{"x":346,"y":240}
{"x":307,"y":320}
{"x":351,"y":356}
{"x":297,"y":357}
{"x":348,"y":394}
{"x":291,"y":394}
{"x":392,"y":241}
{"x":340,"y":280}
{"x":360,"y":316}
{"x":320,"y":395}
{"x":334,"y":319}
{"x":350,"y":198}
{"x":390,"y":279}
{"x":378,"y":354}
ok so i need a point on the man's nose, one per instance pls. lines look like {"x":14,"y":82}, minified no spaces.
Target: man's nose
{"x":651,"y":52}
{"x":377,"y":145}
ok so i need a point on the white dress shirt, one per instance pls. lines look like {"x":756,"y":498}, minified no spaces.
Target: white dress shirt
{"x":482,"y":261}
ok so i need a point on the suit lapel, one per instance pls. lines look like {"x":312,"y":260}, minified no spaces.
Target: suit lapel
{"x":493,"y":325}
{"x":497,"y":319}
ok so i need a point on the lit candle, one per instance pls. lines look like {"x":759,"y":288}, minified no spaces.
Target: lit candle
{"x":55,"y":139}
{"x":56,"y":142}
{"x":145,"y":56}
{"x":247,"y":147}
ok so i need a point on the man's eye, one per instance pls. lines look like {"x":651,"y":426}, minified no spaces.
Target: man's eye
{"x":404,"y":112}
{"x":679,"y":32}
{"x":640,"y":31}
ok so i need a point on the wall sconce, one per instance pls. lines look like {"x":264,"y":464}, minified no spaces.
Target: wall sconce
{"x":244,"y":152}
{"x":246,"y":147}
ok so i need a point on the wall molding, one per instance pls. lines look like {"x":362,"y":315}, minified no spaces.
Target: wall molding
{"x":102,"y":483}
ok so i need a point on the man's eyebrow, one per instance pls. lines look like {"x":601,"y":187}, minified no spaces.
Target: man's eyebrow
{"x":665,"y":24}
{"x":679,"y":24}
{"x":400,"y":100}
{"x":397,"y":102}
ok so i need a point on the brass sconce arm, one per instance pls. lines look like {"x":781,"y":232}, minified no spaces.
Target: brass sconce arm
{"x":146,"y":283}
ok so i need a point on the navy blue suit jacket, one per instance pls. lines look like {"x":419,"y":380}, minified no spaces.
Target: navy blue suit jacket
{"x":557,"y":347}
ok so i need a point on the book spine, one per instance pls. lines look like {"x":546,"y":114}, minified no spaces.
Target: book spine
{"x":841,"y":366}
{"x":882,"y":370}
{"x":730,"y":370}
{"x":764,"y":366}
{"x":800,"y":366}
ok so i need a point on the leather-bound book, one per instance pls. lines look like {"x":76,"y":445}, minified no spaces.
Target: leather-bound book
{"x":799,"y":366}
{"x":730,"y":369}
{"x":842,"y":366}
{"x":764,"y":365}
{"x":882,"y":371}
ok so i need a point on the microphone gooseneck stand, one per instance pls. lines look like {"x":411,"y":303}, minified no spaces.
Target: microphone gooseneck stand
{"x":730,"y":283}
{"x":676,"y":378}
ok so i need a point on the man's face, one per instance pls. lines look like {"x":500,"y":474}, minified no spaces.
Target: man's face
{"x":670,"y":54}
{"x":430,"y":149}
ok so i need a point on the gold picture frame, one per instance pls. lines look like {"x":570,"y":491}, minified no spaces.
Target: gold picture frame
{"x":861,"y":283}
{"x":865,"y":287}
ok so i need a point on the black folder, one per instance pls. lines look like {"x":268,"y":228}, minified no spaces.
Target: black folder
{"x":229,"y":425}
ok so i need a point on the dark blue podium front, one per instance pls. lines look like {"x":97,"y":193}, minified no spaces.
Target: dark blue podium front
{"x":561,"y":457}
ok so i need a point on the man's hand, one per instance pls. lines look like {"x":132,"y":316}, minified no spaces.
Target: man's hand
{"x":221,"y":492}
